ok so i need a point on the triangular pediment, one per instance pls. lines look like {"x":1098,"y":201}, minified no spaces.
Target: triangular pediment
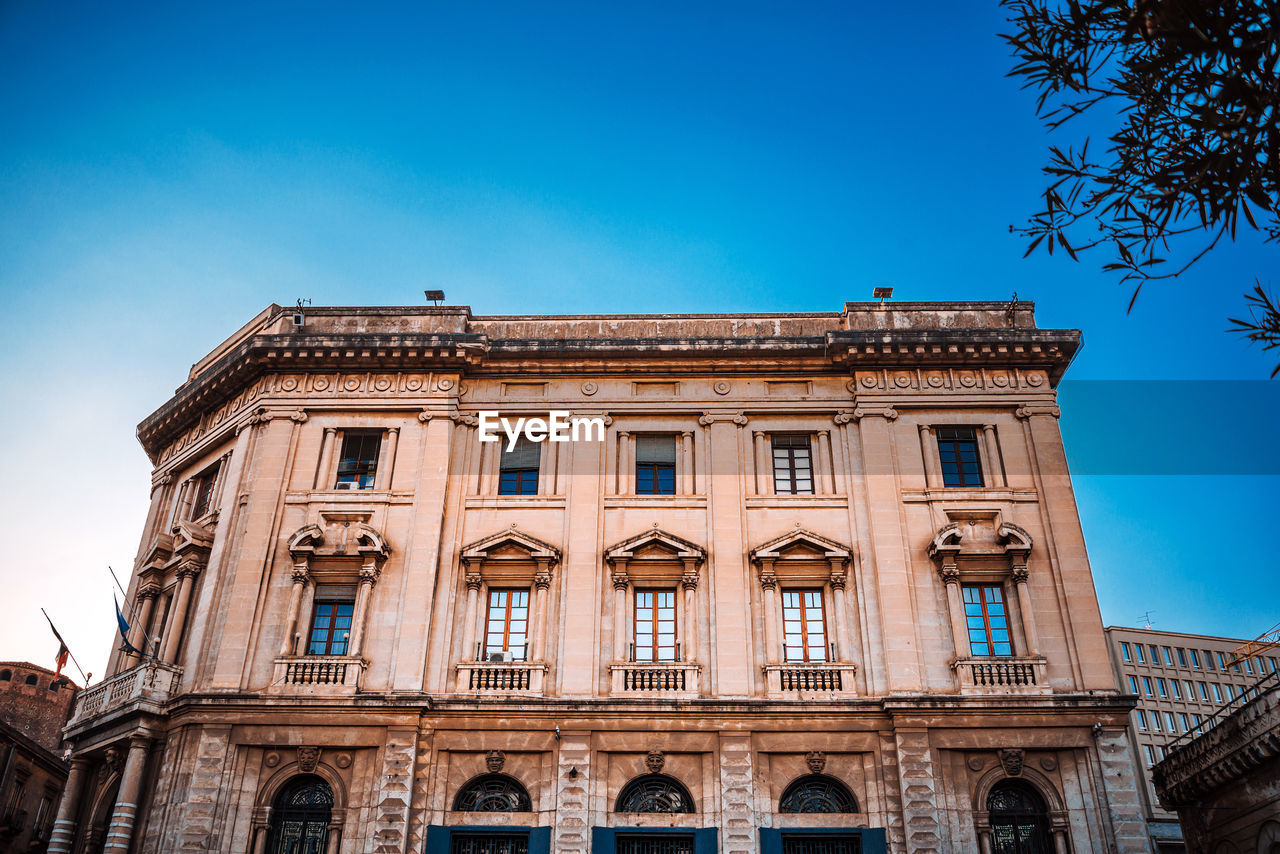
{"x":511,"y":544}
{"x":801,"y":544}
{"x":655,"y":544}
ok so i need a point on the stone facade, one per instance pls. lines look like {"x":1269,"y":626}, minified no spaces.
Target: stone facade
{"x":34,"y":705}
{"x":737,"y":616}
{"x":1179,"y":681}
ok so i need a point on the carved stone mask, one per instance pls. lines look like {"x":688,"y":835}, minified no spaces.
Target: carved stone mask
{"x":308,"y":758}
{"x":1011,"y":760}
{"x":816,"y":761}
{"x":655,"y":761}
{"x":494,"y":760}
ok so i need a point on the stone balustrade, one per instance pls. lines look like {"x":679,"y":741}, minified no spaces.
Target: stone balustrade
{"x":319,"y":673}
{"x":1021,"y":675}
{"x":805,"y":680}
{"x":151,"y":683}
{"x":500,"y":677}
{"x":656,"y":678}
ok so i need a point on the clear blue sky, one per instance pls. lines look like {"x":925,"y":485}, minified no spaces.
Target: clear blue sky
{"x":168,"y":170}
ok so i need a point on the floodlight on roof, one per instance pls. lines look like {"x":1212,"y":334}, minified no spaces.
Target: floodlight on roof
{"x":435,"y":297}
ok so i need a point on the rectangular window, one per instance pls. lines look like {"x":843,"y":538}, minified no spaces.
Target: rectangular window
{"x":1204,"y":692}
{"x":655,"y":843}
{"x":1146,"y":685}
{"x":506,"y":632}
{"x":1124,"y":652}
{"x":1155,"y":656}
{"x":1142,"y":656}
{"x":1155,"y":721}
{"x":1222,"y":662}
{"x":655,"y":465}
{"x":958,"y":451}
{"x":1186,"y":723}
{"x":1150,"y":753}
{"x":1182,"y":657}
{"x":1195,"y":659}
{"x":358,"y":463}
{"x":827,"y":843}
{"x":206,"y":483}
{"x":1133,"y":684}
{"x":1177,"y":689}
{"x":1217,"y":693}
{"x":1163,"y":688}
{"x":986,"y":620}
{"x":1274,"y":664}
{"x":518,"y":469}
{"x":1163,"y":751}
{"x":1168,"y":656}
{"x":655,"y":637}
{"x":489,"y":843}
{"x":1191,"y":689}
{"x":1142,"y":719}
{"x":331,"y":621}
{"x":1247,"y":667}
{"x":804,"y":626}
{"x":1208,"y":660}
{"x":792,"y":464}
{"x":1168,"y":719}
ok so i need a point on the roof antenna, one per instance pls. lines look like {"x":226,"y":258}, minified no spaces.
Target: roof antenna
{"x":1008,"y":312}
{"x":435,"y":297}
{"x":1146,"y":619}
{"x":300,"y":316}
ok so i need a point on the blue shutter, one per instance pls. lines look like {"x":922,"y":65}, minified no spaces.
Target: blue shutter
{"x":437,"y":840}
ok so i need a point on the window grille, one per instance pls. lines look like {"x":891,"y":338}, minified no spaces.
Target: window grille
{"x":655,"y":793}
{"x":655,"y":843}
{"x":817,"y":794}
{"x":799,"y":843}
{"x":493,"y":793}
{"x":489,"y":843}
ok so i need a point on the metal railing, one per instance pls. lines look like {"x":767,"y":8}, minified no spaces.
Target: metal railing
{"x":1261,"y":687}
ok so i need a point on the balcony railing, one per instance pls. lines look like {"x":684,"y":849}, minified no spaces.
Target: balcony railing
{"x":793,"y":680}
{"x":656,"y":678}
{"x":151,"y":683}
{"x":319,"y":674}
{"x":1001,"y":675}
{"x":500,"y":677}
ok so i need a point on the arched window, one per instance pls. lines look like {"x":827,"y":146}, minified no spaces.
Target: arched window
{"x":493,"y":793}
{"x":654,"y":793}
{"x":1019,"y":819}
{"x":300,"y":817}
{"x":32,"y":680}
{"x":6,"y":675}
{"x":817,"y":793}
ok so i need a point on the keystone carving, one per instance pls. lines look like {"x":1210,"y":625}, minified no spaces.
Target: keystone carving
{"x":655,"y":761}
{"x":494,"y":760}
{"x":816,"y":761}
{"x":1011,"y":760}
{"x":308,"y":759}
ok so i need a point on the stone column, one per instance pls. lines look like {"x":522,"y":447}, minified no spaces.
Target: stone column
{"x":387,"y":459}
{"x":335,"y":838}
{"x":950,"y":575}
{"x":984,"y":841}
{"x":547,"y":468}
{"x":737,"y":791}
{"x":929,"y":452}
{"x":687,"y":482}
{"x":571,"y":833}
{"x":177,"y":624}
{"x":920,"y":807}
{"x":541,"y":582}
{"x":474,"y":581}
{"x":64,"y":826}
{"x":368,"y":577}
{"x":139,"y":637}
{"x":326,"y":458}
{"x":689,"y":581}
{"x":301,"y":573}
{"x":626,"y":465}
{"x":844,"y":649}
{"x":620,"y":581}
{"x":120,"y":833}
{"x":1060,"y":841}
{"x":823,"y":477}
{"x":993,"y":456}
{"x":764,"y":470}
{"x":260,"y":831}
{"x":769,"y":581}
{"x":1019,"y":575}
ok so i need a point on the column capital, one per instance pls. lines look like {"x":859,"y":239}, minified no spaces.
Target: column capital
{"x":189,"y":569}
{"x":393,"y":430}
{"x":301,"y":572}
{"x":620,"y":580}
{"x":474,"y":580}
{"x":950,"y":573}
{"x":1019,"y":573}
{"x":1027,"y":410}
{"x":689,"y":581}
{"x":149,"y":590}
{"x":768,"y":580}
{"x":542,"y":580}
{"x":369,"y":573}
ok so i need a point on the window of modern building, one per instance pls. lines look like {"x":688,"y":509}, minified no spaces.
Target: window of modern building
{"x":1186,"y":722}
{"x":792,"y":464}
{"x":1142,"y":719}
{"x":1208,"y":660}
{"x":1142,"y":656}
{"x":1168,"y":656}
{"x":331,"y":621}
{"x":206,"y":482}
{"x":1196,"y":718}
{"x":1164,"y":752}
{"x":655,"y":465}
{"x":1182,"y":657}
{"x":1168,"y":719}
{"x":1195,"y":659}
{"x":358,"y":464}
{"x":1133,"y":684}
{"x":1150,"y":753}
{"x":986,"y":619}
{"x":1274,"y":664}
{"x":655,"y":625}
{"x":1191,"y":689}
{"x":958,"y":453}
{"x":506,"y":633}
{"x":1177,"y":688}
{"x":1163,"y":689}
{"x":1248,"y":668}
{"x":1217,"y":693}
{"x":804,"y":625}
{"x":518,"y":468}
{"x":1146,"y":686}
{"x":1204,"y":691}
{"x":1155,"y":655}
{"x":1222,"y":661}
{"x":1124,"y":651}
{"x":1155,"y":721}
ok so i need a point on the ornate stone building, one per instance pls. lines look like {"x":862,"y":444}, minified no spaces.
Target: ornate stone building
{"x":34,"y":705}
{"x":804,"y":583}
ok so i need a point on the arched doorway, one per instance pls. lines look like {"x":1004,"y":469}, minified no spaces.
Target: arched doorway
{"x":300,"y":817}
{"x":1019,"y":819}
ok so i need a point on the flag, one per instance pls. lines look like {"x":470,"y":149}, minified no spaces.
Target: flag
{"x":124,"y":629}
{"x":61,"y":656}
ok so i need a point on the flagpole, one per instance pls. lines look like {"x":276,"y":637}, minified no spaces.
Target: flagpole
{"x":68,"y":649}
{"x":148,"y":641}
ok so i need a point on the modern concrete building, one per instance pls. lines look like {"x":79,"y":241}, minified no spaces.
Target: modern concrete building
{"x":1180,"y":680}
{"x":803,"y":583}
{"x":34,"y":705}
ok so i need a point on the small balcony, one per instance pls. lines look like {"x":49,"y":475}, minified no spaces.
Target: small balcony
{"x":149,"y":686}
{"x":500,"y":675}
{"x":1001,"y":675}
{"x":656,"y":678}
{"x":319,"y":674}
{"x":796,"y":680}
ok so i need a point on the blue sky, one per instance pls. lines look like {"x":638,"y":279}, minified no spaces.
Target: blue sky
{"x":167,"y":170}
